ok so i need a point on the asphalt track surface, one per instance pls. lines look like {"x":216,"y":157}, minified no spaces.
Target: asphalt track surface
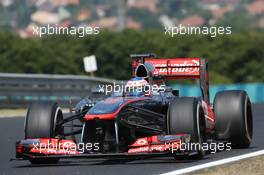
{"x":11,"y":129}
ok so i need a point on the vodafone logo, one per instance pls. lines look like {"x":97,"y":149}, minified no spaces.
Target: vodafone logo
{"x":183,"y":67}
{"x":142,"y":142}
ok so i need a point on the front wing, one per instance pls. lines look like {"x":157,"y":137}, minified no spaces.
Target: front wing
{"x":158,"y":145}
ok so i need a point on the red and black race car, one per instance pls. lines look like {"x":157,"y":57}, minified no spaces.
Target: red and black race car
{"x":131,"y":124}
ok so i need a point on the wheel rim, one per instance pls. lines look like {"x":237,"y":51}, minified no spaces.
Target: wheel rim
{"x":248,"y":120}
{"x":58,"y":130}
{"x":200,"y":128}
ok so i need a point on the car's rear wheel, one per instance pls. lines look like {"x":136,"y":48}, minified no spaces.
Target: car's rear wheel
{"x":40,"y":122}
{"x":233,"y":115}
{"x":185,"y":116}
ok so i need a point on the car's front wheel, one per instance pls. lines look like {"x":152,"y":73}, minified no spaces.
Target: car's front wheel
{"x":41,"y":122}
{"x":185,"y":116}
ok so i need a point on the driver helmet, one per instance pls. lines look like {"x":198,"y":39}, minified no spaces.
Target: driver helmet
{"x":137,"y":87}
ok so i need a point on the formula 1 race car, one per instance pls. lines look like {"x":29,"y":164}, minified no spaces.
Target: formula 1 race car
{"x":145,"y":118}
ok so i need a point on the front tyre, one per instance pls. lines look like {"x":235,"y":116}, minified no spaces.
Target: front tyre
{"x":41,"y":122}
{"x":185,"y":116}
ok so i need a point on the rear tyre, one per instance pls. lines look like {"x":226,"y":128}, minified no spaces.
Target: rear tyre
{"x":40,"y":122}
{"x":185,"y":115}
{"x":233,"y":118}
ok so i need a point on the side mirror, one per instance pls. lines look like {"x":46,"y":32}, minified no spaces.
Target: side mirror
{"x":175,"y":92}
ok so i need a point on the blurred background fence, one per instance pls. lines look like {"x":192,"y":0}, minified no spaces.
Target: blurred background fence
{"x":254,"y":90}
{"x":18,"y":90}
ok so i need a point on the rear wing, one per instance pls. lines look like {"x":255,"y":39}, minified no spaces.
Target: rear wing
{"x":175,"y":68}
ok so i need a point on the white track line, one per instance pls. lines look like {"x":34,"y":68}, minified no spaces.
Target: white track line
{"x":215,"y":163}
